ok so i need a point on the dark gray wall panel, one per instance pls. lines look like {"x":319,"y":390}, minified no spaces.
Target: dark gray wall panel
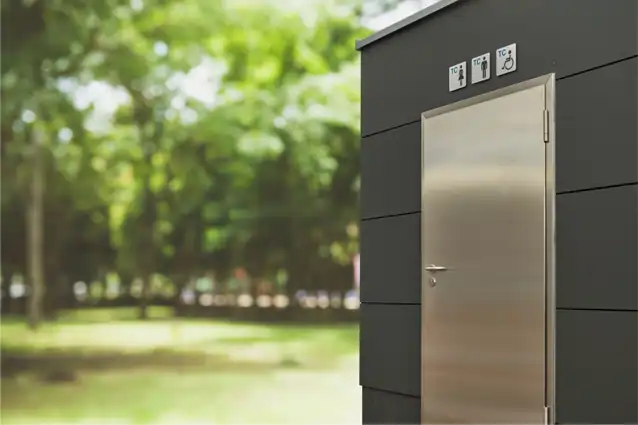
{"x":597,"y":249}
{"x":382,"y":407}
{"x":597,"y":375}
{"x":390,"y":343}
{"x":596,"y":363}
{"x":391,"y":172}
{"x":596,"y":131}
{"x":406,"y":73}
{"x":390,"y":259}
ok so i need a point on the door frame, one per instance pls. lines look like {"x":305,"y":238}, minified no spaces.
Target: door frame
{"x":549,"y":83}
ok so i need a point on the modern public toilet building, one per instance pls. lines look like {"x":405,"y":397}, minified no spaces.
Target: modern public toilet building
{"x":499,"y":230}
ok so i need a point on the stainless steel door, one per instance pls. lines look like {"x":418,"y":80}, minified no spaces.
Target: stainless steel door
{"x":486,"y":347}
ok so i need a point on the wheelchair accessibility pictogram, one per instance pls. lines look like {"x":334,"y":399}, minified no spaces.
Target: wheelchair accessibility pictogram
{"x":509,"y":62}
{"x":506,"y":59}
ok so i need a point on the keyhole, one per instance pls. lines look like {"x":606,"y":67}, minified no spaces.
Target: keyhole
{"x":432,"y":281}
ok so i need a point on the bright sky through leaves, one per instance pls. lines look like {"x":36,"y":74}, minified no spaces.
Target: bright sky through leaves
{"x":201,"y":83}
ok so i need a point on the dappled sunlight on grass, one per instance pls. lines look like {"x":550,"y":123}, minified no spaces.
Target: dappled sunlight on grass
{"x":157,"y":397}
{"x":233,"y":341}
{"x":178,"y":371}
{"x":124,"y":334}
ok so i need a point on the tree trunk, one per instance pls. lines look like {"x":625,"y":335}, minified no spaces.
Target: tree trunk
{"x":146,"y":258}
{"x":147,"y":246}
{"x":35,"y":233}
{"x":145,"y":297}
{"x":146,"y":254}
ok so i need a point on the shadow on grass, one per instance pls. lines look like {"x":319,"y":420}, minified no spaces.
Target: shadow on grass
{"x":107,"y":367}
{"x":111,"y":341}
{"x":64,"y":366}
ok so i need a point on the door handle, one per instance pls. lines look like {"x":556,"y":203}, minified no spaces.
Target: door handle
{"x":433,"y":269}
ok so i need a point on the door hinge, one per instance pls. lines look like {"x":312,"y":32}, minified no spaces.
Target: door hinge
{"x":547,"y":419}
{"x":546,"y":126}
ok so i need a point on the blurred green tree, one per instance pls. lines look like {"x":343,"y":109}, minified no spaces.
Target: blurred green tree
{"x":42,"y":43}
{"x":180,"y":137}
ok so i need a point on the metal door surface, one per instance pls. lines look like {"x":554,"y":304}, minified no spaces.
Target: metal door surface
{"x":487,"y":247}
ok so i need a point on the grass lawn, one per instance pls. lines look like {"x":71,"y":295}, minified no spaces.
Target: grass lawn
{"x":105,"y":367}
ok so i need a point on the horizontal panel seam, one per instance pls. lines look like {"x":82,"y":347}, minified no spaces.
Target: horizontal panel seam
{"x":601,"y":310}
{"x":592,"y":189}
{"x":566,"y":192}
{"x":565,"y":77}
{"x":390,"y":215}
{"x":396,"y":127}
{"x":415,"y":304}
{"x":383,"y":390}
{"x":595,"y":68}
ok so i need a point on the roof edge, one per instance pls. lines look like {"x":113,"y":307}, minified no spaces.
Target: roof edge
{"x":441,"y":4}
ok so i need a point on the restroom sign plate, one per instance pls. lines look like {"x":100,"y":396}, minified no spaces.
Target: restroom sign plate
{"x":481,"y":68}
{"x":506,"y":60}
{"x":457,"y":76}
